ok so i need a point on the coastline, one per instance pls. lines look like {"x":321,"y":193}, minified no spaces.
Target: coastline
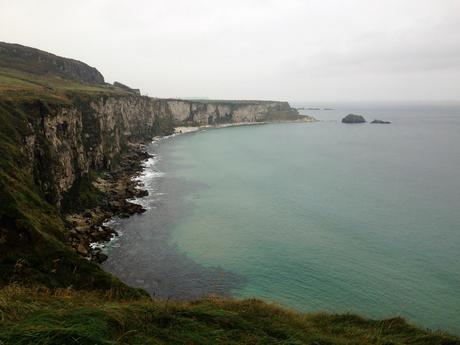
{"x":98,"y":255}
{"x":89,"y":231}
{"x":190,"y":129}
{"x":178,"y":156}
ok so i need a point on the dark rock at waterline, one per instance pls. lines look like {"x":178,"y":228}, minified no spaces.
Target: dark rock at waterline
{"x":353,"y":118}
{"x":140,"y":193}
{"x":98,"y":256}
{"x":82,"y":249}
{"x":381,"y":122}
{"x":134,"y":208}
{"x":116,"y":187}
{"x":102,"y":233}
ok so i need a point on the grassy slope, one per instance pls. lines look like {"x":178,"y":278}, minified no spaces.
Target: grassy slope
{"x":41,"y":316}
{"x":20,"y":85}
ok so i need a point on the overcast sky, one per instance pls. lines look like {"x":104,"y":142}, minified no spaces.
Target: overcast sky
{"x":318,"y":50}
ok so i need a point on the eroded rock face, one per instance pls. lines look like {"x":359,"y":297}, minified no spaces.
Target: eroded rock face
{"x":220,"y":112}
{"x":64,"y":133}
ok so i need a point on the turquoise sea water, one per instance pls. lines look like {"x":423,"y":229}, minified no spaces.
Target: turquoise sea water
{"x":321,"y":216}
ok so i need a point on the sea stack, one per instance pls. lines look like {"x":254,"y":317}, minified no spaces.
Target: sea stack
{"x":353,"y":118}
{"x":381,"y":122}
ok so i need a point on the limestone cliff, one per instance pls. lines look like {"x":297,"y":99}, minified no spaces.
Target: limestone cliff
{"x":218,"y":112}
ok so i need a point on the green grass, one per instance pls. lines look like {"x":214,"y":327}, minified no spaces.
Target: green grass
{"x":19,"y":85}
{"x":64,"y":316}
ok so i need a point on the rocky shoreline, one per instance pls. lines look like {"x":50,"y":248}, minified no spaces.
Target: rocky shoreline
{"x":86,"y":229}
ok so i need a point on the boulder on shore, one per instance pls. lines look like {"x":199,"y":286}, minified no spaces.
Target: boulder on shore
{"x":353,"y":118}
{"x":381,"y":122}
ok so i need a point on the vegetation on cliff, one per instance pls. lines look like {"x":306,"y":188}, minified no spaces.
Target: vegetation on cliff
{"x":16,"y":85}
{"x":32,"y":232}
{"x":36,"y":61}
{"x":64,"y":316}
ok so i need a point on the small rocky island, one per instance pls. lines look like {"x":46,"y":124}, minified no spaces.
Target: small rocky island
{"x":381,"y":122}
{"x":353,"y":118}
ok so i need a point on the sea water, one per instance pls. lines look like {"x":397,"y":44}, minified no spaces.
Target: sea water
{"x":316,"y":216}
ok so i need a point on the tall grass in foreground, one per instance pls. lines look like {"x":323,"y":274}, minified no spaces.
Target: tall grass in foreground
{"x":64,"y":316}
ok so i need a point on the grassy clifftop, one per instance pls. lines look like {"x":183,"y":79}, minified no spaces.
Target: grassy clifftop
{"x":42,"y":316}
{"x":39,"y":62}
{"x":17,"y":85}
{"x":29,"y":73}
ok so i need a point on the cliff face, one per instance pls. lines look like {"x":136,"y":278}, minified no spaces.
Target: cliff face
{"x":91,"y":133}
{"x":217,"y":112}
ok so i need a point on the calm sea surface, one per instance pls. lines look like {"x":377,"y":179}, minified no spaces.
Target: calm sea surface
{"x":321,"y":216}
